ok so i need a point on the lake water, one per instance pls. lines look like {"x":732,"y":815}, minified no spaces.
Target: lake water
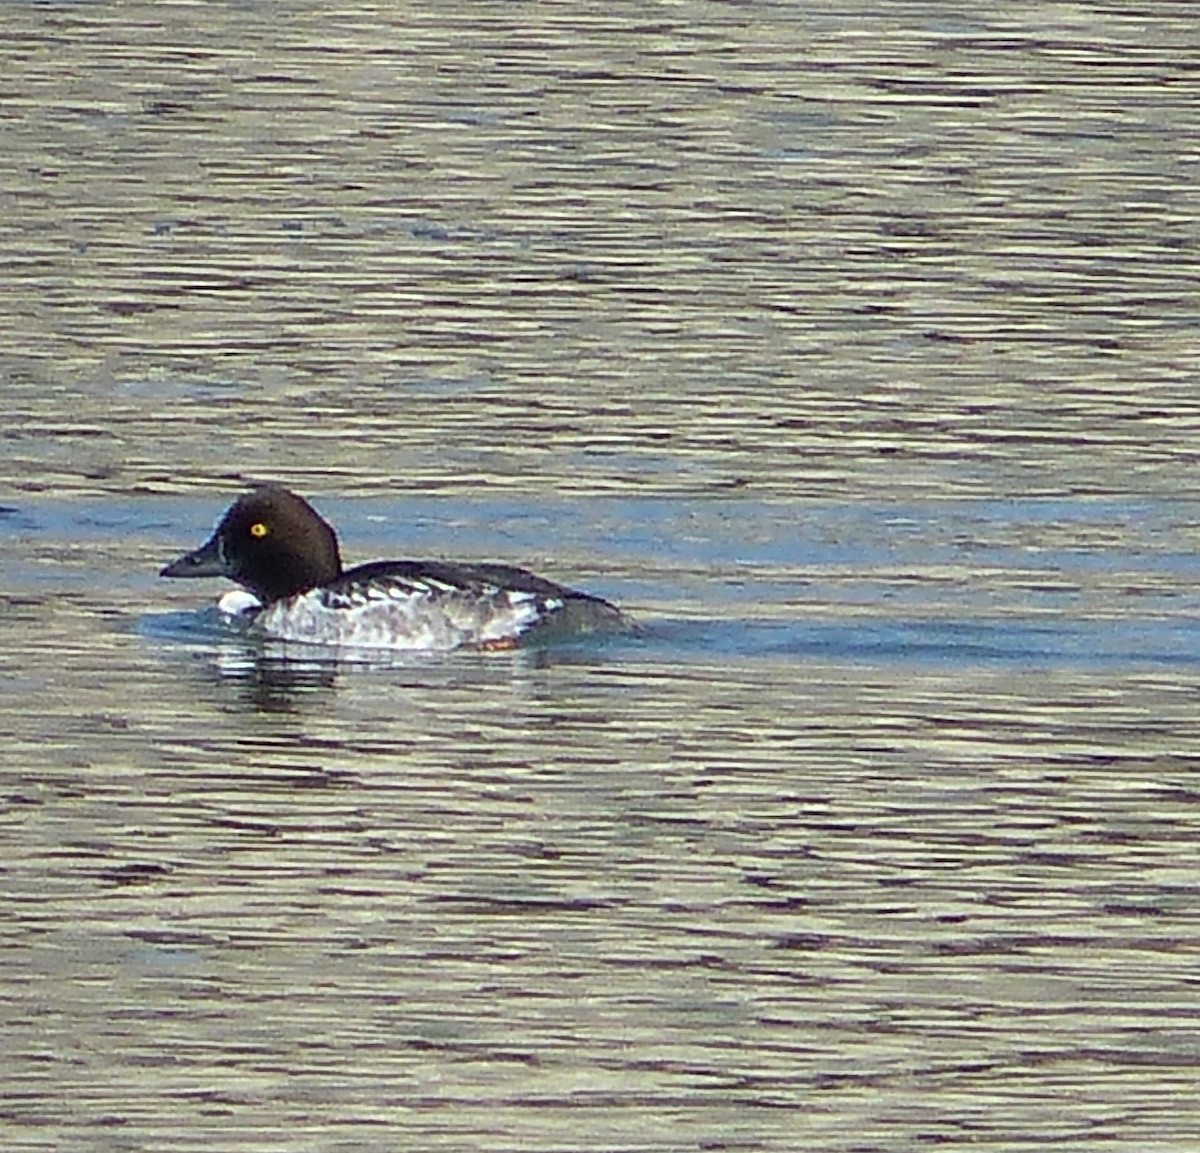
{"x":851,"y":348}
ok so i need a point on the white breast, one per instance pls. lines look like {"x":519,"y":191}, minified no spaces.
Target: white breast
{"x":415,"y":615}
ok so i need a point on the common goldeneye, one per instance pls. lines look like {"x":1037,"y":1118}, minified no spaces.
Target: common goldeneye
{"x":277,"y":547}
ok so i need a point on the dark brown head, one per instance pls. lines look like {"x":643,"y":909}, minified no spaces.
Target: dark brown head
{"x":271,"y":542}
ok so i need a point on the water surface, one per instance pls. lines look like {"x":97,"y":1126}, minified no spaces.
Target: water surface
{"x":852,"y":349}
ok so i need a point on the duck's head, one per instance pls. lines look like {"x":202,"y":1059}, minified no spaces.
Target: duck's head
{"x":271,"y":542}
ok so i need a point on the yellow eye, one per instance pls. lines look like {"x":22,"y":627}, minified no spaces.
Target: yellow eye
{"x":259,"y":530}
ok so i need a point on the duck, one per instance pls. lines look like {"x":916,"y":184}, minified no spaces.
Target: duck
{"x":287,"y":561}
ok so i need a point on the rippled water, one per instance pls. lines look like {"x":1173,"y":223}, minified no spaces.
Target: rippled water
{"x":851,"y":349}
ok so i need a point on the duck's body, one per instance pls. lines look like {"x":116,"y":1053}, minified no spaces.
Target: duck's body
{"x":277,"y":547}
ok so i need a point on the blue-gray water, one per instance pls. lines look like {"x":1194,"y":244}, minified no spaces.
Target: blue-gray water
{"x":1033,"y":582}
{"x":853,"y":350}
{"x":882,"y":827}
